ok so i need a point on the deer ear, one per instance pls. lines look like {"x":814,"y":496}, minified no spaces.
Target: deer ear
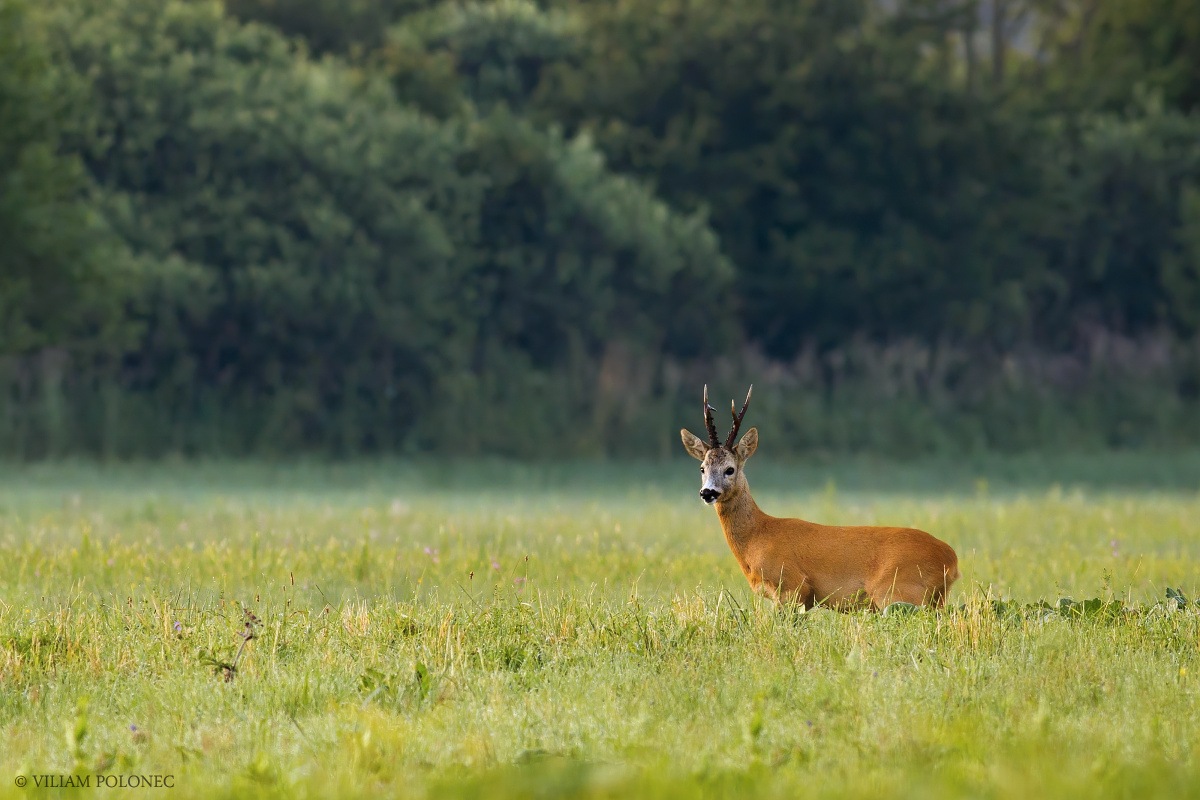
{"x":697,"y":448}
{"x":748,"y":444}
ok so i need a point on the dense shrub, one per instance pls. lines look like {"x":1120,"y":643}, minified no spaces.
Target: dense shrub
{"x":319,"y":264}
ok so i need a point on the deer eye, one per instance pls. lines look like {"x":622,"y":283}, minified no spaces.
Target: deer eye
{"x":729,"y":471}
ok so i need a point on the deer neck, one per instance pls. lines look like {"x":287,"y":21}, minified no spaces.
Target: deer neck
{"x":740,"y":519}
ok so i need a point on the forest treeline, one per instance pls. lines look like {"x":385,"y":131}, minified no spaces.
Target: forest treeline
{"x":264,"y":227}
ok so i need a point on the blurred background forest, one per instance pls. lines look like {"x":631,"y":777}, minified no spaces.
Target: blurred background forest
{"x":536,"y":228}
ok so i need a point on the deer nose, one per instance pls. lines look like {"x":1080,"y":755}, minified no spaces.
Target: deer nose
{"x":709,"y":495}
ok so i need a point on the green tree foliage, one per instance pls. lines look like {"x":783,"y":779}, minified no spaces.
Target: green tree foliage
{"x":484,"y":53}
{"x":346,"y":27}
{"x":1123,"y":243}
{"x":321,"y":263}
{"x":57,"y":263}
{"x":468,"y":219}
{"x":857,"y":191}
{"x":302,"y":227}
{"x":1107,"y":52}
{"x":571,"y":251}
{"x":1181,"y":268}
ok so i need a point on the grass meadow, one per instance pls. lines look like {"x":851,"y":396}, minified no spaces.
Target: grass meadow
{"x":491,"y":630}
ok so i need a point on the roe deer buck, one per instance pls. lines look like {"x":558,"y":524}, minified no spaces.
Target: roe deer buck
{"x":793,"y":561}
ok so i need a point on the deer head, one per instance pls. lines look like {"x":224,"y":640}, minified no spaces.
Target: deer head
{"x":721,"y":464}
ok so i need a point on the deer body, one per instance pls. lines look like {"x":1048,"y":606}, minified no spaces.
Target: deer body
{"x":794,"y":561}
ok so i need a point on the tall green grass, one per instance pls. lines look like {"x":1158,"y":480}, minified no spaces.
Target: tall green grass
{"x":498,"y":630}
{"x":903,"y":400}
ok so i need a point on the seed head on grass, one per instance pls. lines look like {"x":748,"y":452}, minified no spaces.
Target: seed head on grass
{"x":228,"y":669}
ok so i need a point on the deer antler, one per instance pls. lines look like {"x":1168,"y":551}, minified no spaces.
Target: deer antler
{"x":737,"y":418}
{"x":708,"y":420}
